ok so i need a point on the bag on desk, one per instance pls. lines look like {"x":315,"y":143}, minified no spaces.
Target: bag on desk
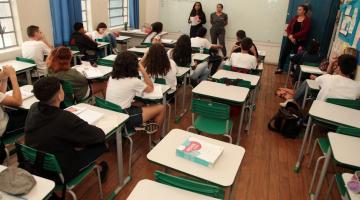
{"x":288,"y":120}
{"x":16,"y":181}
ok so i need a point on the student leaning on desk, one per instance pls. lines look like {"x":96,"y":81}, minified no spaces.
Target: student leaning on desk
{"x":10,"y":120}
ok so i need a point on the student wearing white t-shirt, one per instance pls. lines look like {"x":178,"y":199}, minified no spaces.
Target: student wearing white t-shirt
{"x":36,"y":48}
{"x":243,"y":59}
{"x":101,"y":33}
{"x":340,"y":86}
{"x":123,"y":86}
{"x":201,"y":41}
{"x":156,"y":29}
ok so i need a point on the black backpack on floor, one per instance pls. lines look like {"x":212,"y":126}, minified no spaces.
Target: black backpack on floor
{"x":288,"y":120}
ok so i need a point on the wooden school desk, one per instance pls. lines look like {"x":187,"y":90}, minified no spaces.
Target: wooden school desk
{"x":21,"y":67}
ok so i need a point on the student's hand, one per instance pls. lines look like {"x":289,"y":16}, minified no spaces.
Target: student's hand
{"x":9,"y":70}
{"x":313,"y":77}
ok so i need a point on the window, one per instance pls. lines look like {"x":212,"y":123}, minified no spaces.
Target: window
{"x":118,"y":12}
{"x":7,"y":27}
{"x":84,"y":12}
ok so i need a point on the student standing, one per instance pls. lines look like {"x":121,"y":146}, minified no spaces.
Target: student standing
{"x":218,"y":21}
{"x":36,"y":48}
{"x":197,"y":18}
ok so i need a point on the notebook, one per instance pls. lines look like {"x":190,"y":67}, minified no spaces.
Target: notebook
{"x":85,"y":114}
{"x":89,"y":71}
{"x":167,"y":41}
{"x":24,"y":94}
{"x":199,"y":151}
{"x":156,"y":94}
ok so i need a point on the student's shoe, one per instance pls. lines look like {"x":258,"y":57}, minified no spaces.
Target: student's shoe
{"x":279,"y":71}
{"x":104,"y":171}
{"x":285,"y":103}
{"x":149,"y":128}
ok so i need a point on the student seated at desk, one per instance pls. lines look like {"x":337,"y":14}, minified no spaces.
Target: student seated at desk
{"x":243,"y":61}
{"x":86,"y":45}
{"x":124,"y":85}
{"x":240,"y":35}
{"x":73,"y":141}
{"x":201,"y":41}
{"x":156,"y":29}
{"x":101,"y":33}
{"x":11,"y":121}
{"x":182,"y":56}
{"x":333,"y":67}
{"x":36,"y":48}
{"x":158,"y":65}
{"x":59,"y":63}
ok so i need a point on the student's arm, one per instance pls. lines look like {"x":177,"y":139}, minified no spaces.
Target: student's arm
{"x":15,"y":99}
{"x":149,"y":84}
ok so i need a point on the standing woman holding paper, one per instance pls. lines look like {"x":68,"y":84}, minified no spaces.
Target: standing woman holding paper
{"x":197,"y":18}
{"x":218,"y":21}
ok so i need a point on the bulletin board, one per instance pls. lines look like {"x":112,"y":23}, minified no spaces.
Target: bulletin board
{"x":350,"y":17}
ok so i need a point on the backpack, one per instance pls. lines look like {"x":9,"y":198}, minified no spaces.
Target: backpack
{"x":288,"y":120}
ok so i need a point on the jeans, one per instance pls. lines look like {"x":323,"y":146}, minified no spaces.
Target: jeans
{"x":218,"y":33}
{"x":111,"y":38}
{"x":201,"y":72}
{"x":288,"y":49}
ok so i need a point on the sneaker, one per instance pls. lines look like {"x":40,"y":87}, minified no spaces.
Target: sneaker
{"x":104,"y":171}
{"x":278,"y":71}
{"x":285,"y":102}
{"x":149,"y":128}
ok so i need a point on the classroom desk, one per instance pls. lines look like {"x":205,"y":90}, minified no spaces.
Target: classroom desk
{"x":200,"y":57}
{"x":228,"y":93}
{"x":21,"y":67}
{"x":105,"y":70}
{"x":123,"y":40}
{"x":147,"y":189}
{"x":111,"y":57}
{"x":112,"y":123}
{"x":350,"y":195}
{"x":182,"y":72}
{"x":138,"y":33}
{"x":103,"y":45}
{"x":331,"y":114}
{"x":26,"y":104}
{"x":343,"y":148}
{"x":42,"y":189}
{"x":139,"y":51}
{"x":312,"y":85}
{"x":223,"y":172}
{"x":304,"y":69}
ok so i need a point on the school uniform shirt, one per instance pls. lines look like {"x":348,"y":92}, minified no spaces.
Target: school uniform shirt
{"x":4,"y":118}
{"x":170,"y":77}
{"x":242,"y":60}
{"x":36,"y":50}
{"x":337,"y":86}
{"x":150,"y":37}
{"x":122,"y":91}
{"x":96,"y":35}
{"x":60,"y":132}
{"x":200,"y":42}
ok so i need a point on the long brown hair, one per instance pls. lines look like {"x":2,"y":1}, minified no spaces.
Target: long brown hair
{"x":157,"y":62}
{"x":59,"y":59}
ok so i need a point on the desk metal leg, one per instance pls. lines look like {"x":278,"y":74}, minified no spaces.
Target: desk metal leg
{"x":305,"y":96}
{"x":251,"y":107}
{"x":183,"y":109}
{"x":28,"y":77}
{"x":74,"y":57}
{"x":301,"y":154}
{"x":105,"y":49}
{"x":298,"y":82}
{"x":288,"y":75}
{"x":322,"y":175}
{"x":166,"y":120}
{"x":241,"y":122}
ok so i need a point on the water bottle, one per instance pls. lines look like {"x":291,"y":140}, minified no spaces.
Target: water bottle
{"x":125,"y":26}
{"x":201,"y":49}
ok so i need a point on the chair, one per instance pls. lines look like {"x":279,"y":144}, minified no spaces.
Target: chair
{"x":8,"y":140}
{"x":212,"y":118}
{"x":69,"y":98}
{"x":162,"y":81}
{"x":27,"y":60}
{"x":340,"y":183}
{"x":146,"y":44}
{"x":197,"y":50}
{"x":30,"y":155}
{"x":107,"y":63}
{"x":190,"y":185}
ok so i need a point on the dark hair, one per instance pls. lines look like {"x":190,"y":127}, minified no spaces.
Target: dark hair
{"x":46,"y":88}
{"x":31,"y":30}
{"x":126,"y":65}
{"x":246,"y":44}
{"x":156,"y":27}
{"x":101,"y":25}
{"x":314,"y":47}
{"x":202,"y":32}
{"x":78,"y":26}
{"x":193,"y":11}
{"x":305,"y":7}
{"x":59,"y":59}
{"x":241,"y":34}
{"x":347,"y":64}
{"x":181,"y":53}
{"x":157,"y":62}
{"x":220,"y":4}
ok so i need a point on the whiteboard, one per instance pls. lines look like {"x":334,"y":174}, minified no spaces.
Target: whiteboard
{"x":263,"y":20}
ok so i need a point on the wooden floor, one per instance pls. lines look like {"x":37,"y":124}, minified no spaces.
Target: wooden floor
{"x":266,"y":171}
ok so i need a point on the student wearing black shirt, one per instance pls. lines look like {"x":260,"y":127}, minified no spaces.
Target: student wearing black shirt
{"x":197,"y":18}
{"x":240,"y":35}
{"x":86,"y":45}
{"x":73,"y":141}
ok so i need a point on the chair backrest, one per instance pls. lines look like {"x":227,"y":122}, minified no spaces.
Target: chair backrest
{"x":27,"y":60}
{"x":69,"y":99}
{"x":107,"y":63}
{"x":311,"y":64}
{"x":29,"y":154}
{"x":102,"y":40}
{"x":102,"y":103}
{"x":348,"y":131}
{"x":236,"y":82}
{"x":210,"y":109}
{"x":190,"y":185}
{"x":74,"y":48}
{"x":147,"y":44}
{"x":197,"y":50}
{"x":161,"y":81}
{"x":354,"y":104}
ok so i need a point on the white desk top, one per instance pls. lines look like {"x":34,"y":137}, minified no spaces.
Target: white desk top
{"x":310,"y":70}
{"x":254,"y":79}
{"x":102,"y":44}
{"x":123,"y":38}
{"x":29,"y":101}
{"x":222,"y":91}
{"x":168,"y":41}
{"x":182,"y":70}
{"x":105,"y":69}
{"x":223,"y":172}
{"x":345,"y":148}
{"x":200,"y":56}
{"x":335,"y":114}
{"x":312,"y":84}
{"x":111,"y":119}
{"x":18,"y":66}
{"x":147,"y":189}
{"x":138,"y":50}
{"x":111,"y":57}
{"x":74,"y":52}
{"x":347,"y":178}
{"x":164,"y":89}
{"x":262,"y":53}
{"x":139,"y":32}
{"x":42,"y":188}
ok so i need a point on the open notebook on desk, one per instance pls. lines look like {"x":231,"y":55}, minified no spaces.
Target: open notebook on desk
{"x":24,"y":93}
{"x":156,"y":94}
{"x":85,"y":114}
{"x":89,"y":71}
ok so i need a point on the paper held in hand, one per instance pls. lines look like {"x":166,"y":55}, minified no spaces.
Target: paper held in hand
{"x":195,"y":20}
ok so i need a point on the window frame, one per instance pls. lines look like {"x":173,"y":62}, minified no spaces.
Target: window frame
{"x":13,"y":24}
{"x":117,"y":16}
{"x":86,"y":14}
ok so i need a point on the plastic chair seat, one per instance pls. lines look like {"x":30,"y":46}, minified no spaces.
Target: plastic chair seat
{"x":212,"y":126}
{"x":12,"y":138}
